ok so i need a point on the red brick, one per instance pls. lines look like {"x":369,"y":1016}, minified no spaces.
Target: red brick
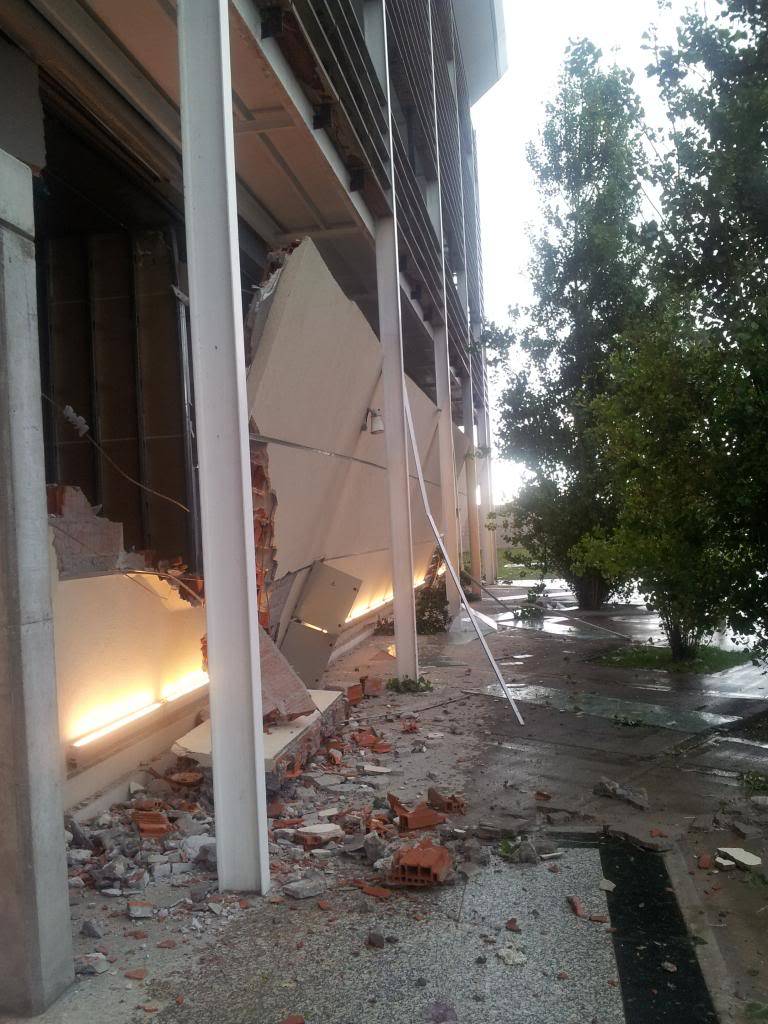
{"x":422,"y":865}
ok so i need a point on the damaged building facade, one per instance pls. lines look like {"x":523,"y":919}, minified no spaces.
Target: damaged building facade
{"x":240,"y":278}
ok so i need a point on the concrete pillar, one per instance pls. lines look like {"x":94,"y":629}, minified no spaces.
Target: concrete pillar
{"x":393,"y":377}
{"x":487,"y":537}
{"x":450,"y":523}
{"x":35,"y":937}
{"x":450,"y":499}
{"x":395,"y":437}
{"x":221,"y":412}
{"x":473,"y":520}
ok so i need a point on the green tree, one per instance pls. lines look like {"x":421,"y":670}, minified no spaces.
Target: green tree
{"x":713,"y":247}
{"x":660,"y":441}
{"x":588,"y":279}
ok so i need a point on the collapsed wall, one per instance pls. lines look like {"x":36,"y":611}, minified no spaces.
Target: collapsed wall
{"x":314,"y":371}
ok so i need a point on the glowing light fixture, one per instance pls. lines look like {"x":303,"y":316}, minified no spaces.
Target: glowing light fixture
{"x":187,"y":684}
{"x":105,"y":730}
{"x":171,"y":692}
{"x":318,"y":629}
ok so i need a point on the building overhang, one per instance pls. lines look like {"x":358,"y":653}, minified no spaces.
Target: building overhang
{"x":480,"y":24}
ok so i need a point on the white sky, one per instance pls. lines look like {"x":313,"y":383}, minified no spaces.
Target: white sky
{"x":509,"y":116}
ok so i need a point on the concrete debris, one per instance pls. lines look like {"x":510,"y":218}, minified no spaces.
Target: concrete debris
{"x":314,"y":884}
{"x":376,"y":940}
{"x":607,"y":886}
{"x":321,"y":833}
{"x":91,"y":928}
{"x":616,"y":791}
{"x":512,"y":956}
{"x":742,"y":858}
{"x":746,"y":831}
{"x":375,"y":847}
{"x":724,"y":864}
{"x":91,"y":963}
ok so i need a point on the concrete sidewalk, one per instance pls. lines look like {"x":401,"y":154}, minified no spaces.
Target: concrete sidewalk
{"x":438,"y":961}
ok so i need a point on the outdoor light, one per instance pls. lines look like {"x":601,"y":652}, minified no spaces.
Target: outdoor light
{"x":105,"y":730}
{"x":376,"y":421}
{"x":173,"y":691}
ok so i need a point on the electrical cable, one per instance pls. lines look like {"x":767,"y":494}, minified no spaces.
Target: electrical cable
{"x":448,"y":565}
{"x":82,"y":428}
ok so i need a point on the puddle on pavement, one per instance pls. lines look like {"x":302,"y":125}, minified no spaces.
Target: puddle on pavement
{"x":614,"y":708}
{"x":557,"y":626}
{"x":438,"y":661}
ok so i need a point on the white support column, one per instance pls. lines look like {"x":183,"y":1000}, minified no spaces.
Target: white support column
{"x":473,"y":521}
{"x":393,"y":379}
{"x":221,"y":414}
{"x":487,"y":537}
{"x":448,"y":488}
{"x":450,"y":524}
{"x":35,"y":931}
{"x":395,"y":436}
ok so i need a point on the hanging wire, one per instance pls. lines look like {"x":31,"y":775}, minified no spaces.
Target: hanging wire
{"x":82,"y":428}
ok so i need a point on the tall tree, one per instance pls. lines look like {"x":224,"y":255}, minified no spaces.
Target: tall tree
{"x":655,"y":427}
{"x":713,"y":246}
{"x":588,"y":278}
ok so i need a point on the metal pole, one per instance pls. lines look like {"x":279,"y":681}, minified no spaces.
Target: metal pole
{"x":218,"y":361}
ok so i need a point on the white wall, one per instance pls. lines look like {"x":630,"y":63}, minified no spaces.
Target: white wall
{"x":316,"y":371}
{"x":121,"y":642}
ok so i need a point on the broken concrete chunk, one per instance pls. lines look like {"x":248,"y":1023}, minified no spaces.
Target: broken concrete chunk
{"x":724,"y":864}
{"x":616,"y":791}
{"x":306,"y":888}
{"x":375,"y":847}
{"x":742,"y":858}
{"x":91,"y":963}
{"x":91,"y":928}
{"x":512,"y":956}
{"x":322,"y":833}
{"x":138,"y":909}
{"x":606,"y":885}
{"x":746,"y":831}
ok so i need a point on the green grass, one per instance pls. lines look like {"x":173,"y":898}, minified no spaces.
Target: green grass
{"x":708,"y":659}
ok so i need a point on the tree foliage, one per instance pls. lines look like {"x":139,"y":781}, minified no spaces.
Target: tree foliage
{"x":588,"y":279}
{"x":714,"y":250}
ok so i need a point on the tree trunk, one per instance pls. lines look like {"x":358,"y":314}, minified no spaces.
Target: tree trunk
{"x":680,"y":644}
{"x":591,"y":591}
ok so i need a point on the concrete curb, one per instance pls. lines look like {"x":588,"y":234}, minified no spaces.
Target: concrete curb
{"x":713,"y":967}
{"x":711,"y":961}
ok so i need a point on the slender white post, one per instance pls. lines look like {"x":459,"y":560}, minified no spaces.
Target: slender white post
{"x":487,"y":537}
{"x":393,"y":378}
{"x":35,"y":930}
{"x":473,"y":521}
{"x":221,"y":413}
{"x":393,"y":382}
{"x":448,"y":489}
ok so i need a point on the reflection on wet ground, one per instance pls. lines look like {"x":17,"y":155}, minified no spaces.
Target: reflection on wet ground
{"x":624,"y":712}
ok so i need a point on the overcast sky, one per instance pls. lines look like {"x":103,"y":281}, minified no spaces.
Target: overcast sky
{"x":509,"y":116}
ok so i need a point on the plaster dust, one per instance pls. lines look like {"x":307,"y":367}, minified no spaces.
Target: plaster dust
{"x":273,"y":959}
